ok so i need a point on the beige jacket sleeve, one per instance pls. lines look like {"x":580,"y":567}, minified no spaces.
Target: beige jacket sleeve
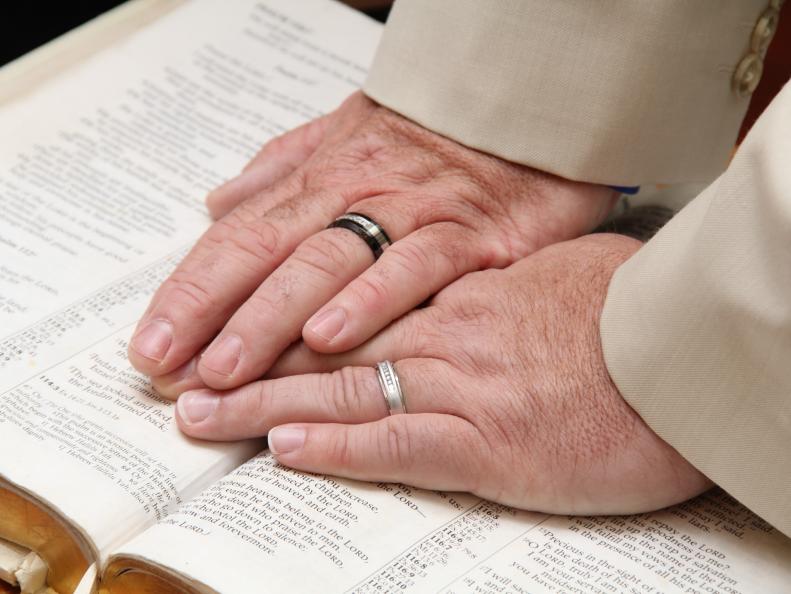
{"x":621,"y":92}
{"x":697,"y":325}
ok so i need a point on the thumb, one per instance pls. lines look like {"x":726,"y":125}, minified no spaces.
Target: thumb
{"x":432,"y":451}
{"x":278,"y":158}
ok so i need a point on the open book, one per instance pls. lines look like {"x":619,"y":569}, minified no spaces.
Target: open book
{"x":104,"y":163}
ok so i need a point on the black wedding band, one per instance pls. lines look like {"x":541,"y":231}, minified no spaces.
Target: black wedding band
{"x":365,"y":227}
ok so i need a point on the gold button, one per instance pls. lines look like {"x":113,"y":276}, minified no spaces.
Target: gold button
{"x":764,"y":30}
{"x":747,"y":75}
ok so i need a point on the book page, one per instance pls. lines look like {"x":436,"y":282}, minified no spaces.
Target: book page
{"x":92,"y":439}
{"x":102,"y":179}
{"x":709,"y":544}
{"x":268,"y":525}
{"x":103,"y":182}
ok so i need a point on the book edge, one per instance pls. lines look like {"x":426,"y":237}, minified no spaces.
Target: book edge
{"x":57,"y":57}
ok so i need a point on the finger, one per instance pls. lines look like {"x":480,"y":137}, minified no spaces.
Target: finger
{"x":273,"y":317}
{"x":418,"y":334}
{"x":432,"y":451}
{"x":409,"y":272}
{"x":294,"y":146}
{"x":277,"y":159}
{"x":256,"y":207}
{"x":350,"y":395}
{"x":171,"y":385}
{"x":227,"y":265}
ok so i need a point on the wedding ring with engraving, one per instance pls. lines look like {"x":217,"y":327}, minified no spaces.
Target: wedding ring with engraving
{"x":365,"y":227}
{"x":391,"y":387}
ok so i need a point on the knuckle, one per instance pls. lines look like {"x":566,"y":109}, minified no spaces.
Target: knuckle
{"x":259,"y":241}
{"x":413,"y":258}
{"x":472,"y":313}
{"x":258,"y":402}
{"x":458,"y":249}
{"x":445,"y":248}
{"x":189,"y":293}
{"x":345,"y":390}
{"x":220,"y":230}
{"x":395,"y":444}
{"x":370,"y":291}
{"x":452,"y":205}
{"x":424,"y":336}
{"x":278,"y":144}
{"x":324,"y":255}
{"x":340,"y":450}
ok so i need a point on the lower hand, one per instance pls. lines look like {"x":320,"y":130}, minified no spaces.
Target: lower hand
{"x":268,"y":272}
{"x":507,"y":392}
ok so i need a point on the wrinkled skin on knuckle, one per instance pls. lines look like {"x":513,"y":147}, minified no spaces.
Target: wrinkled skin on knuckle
{"x":438,"y":204}
{"x":467,"y":316}
{"x":253,"y":409}
{"x":347,"y":387}
{"x":339,"y":449}
{"x":422,"y":339}
{"x":462,"y":256}
{"x":454,"y":247}
{"x":413,"y":258}
{"x":247,"y":232}
{"x":188,"y":298}
{"x":394,"y":444}
{"x":370,"y":293}
{"x":258,"y":245}
{"x":431,"y":335}
{"x":323,"y":256}
{"x":276,"y":395}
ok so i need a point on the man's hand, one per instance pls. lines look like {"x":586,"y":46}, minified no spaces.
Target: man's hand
{"x":268,"y":271}
{"x":507,"y":392}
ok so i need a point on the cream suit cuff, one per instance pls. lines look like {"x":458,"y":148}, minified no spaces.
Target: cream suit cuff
{"x":696,"y":328}
{"x":620,"y":92}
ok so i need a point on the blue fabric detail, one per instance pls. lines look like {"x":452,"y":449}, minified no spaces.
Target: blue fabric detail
{"x":631,"y":190}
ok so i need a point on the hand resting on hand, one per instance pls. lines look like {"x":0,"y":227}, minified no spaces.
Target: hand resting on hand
{"x":507,"y":392}
{"x":268,"y":272}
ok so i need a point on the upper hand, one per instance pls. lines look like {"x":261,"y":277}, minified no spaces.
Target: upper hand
{"x":507,"y":393}
{"x":268,"y":271}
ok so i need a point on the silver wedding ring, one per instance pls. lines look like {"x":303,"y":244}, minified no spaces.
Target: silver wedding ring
{"x":391,"y":387}
{"x":365,"y":227}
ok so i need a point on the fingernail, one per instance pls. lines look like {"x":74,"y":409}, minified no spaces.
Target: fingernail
{"x":153,"y":340}
{"x":223,"y":355}
{"x":197,"y":406}
{"x":283,"y":440}
{"x":327,"y":324}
